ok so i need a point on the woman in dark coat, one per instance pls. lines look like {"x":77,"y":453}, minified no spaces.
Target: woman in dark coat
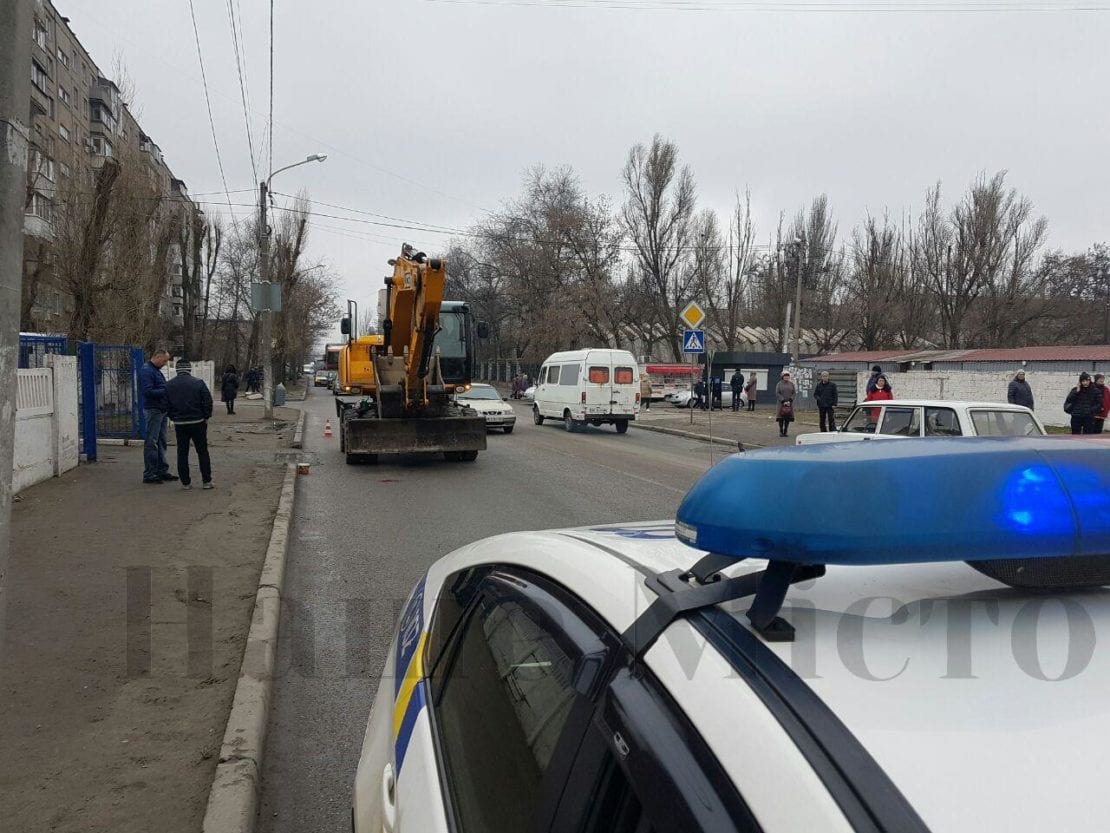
{"x":1084,"y":402}
{"x":229,"y":387}
{"x":785,"y":391}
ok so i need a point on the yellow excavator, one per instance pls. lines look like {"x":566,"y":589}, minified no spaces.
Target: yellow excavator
{"x":407,"y":377}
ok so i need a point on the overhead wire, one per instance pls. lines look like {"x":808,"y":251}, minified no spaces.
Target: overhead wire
{"x":242,"y":86}
{"x":792,"y":6}
{"x":208,"y":102}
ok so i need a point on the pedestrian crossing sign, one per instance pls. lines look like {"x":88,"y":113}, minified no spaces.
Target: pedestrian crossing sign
{"x":693,"y":341}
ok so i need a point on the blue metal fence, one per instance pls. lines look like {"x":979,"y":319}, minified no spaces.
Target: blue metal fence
{"x":33,"y":348}
{"x":110,"y":404}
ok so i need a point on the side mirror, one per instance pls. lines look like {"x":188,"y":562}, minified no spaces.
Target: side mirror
{"x":504,"y":399}
{"x":483,"y":329}
{"x":345,"y":326}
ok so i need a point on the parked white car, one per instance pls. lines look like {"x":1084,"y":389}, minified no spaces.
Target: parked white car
{"x":901,"y":418}
{"x":488,"y":402}
{"x":685,"y":398}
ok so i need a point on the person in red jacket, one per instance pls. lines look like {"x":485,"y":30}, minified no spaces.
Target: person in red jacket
{"x":1100,"y":417}
{"x":880,"y":392}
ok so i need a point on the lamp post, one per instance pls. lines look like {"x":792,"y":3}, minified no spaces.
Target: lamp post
{"x":264,"y":278}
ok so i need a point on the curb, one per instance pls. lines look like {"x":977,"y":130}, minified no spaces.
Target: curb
{"x":298,"y":435}
{"x":690,"y":435}
{"x":233,"y":799}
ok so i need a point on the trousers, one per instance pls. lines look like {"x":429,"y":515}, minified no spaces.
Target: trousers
{"x":197,"y":434}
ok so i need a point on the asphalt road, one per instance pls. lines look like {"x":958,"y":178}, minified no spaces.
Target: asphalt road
{"x":363,"y":535}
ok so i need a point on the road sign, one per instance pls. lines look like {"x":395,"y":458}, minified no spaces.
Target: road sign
{"x":692,"y":315}
{"x":266,"y":296}
{"x":693,"y":341}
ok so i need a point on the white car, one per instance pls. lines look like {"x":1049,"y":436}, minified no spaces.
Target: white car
{"x":601,"y":679}
{"x":902,"y":418}
{"x":529,"y":394}
{"x":488,"y":402}
{"x":685,"y":398}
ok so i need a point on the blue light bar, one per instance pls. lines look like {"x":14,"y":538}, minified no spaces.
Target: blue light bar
{"x":905,"y":501}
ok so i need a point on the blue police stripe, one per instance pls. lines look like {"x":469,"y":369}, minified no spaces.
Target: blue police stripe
{"x":416,"y":703}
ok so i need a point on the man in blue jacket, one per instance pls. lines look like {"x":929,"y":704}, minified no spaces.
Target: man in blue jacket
{"x":152,"y":387}
{"x":190,"y":406}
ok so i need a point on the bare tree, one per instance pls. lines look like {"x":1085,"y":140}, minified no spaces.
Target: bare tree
{"x":733,"y":303}
{"x":658,"y":217}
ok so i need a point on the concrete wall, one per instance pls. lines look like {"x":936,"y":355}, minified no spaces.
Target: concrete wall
{"x":205,"y":371}
{"x":46,"y":439}
{"x":1049,"y":389}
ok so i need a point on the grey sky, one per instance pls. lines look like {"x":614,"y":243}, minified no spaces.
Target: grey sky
{"x":868,"y":108}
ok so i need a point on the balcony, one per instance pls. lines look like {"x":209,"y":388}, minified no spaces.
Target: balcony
{"x":106,"y":93}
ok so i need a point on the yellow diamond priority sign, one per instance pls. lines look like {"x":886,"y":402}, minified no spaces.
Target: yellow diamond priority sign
{"x":692,"y":315}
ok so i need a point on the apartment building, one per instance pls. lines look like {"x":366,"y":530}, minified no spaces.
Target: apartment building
{"x":78,"y":118}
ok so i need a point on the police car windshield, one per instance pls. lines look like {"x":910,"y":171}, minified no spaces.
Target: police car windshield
{"x":481,"y":393}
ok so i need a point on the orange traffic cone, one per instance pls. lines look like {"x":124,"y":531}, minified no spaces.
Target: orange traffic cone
{"x":327,"y":429}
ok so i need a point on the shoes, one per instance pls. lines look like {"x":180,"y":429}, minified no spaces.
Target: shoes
{"x":153,"y":482}
{"x":187,"y":486}
{"x":170,"y":477}
{"x":208,"y":485}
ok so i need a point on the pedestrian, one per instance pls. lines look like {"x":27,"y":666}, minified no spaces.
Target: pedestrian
{"x":880,"y":392}
{"x":645,"y":391}
{"x":152,"y":387}
{"x":876,"y":371}
{"x":751,"y":388}
{"x":827,"y":397}
{"x":190,"y":407}
{"x":229,"y":387}
{"x":1084,"y":402}
{"x":737,"y":385}
{"x":699,"y":394}
{"x":1018,"y":391}
{"x":1100,"y":417}
{"x":717,"y":392}
{"x":253,"y":380}
{"x":785,"y":391}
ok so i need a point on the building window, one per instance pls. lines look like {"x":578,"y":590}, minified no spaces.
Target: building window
{"x":40,"y":35}
{"x":63,"y":94}
{"x":101,"y":146}
{"x":63,"y":57}
{"x":64,"y":168}
{"x":45,"y":167}
{"x":41,"y":207}
{"x":63,"y":131}
{"x":39,"y":77}
{"x":102,"y":115}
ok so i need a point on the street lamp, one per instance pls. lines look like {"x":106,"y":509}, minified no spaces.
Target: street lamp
{"x":264,"y":278}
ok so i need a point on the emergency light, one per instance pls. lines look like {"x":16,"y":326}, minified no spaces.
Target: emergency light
{"x":1027,"y":511}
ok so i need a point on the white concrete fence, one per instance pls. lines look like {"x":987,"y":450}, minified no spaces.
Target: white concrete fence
{"x":46,"y":438}
{"x":1049,"y":389}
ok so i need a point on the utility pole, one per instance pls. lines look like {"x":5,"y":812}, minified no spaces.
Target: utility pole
{"x":15,"y":107}
{"x":799,"y":246}
{"x":267,"y":313}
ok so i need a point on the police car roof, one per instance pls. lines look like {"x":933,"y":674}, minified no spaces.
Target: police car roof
{"x":986,"y":706}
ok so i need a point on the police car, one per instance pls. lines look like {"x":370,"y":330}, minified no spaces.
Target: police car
{"x":871,"y":637}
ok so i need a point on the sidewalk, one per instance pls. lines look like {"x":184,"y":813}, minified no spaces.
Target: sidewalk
{"x":127,"y":613}
{"x":757,"y":429}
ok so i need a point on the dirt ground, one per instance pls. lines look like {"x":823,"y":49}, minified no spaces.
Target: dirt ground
{"x":128,"y":611}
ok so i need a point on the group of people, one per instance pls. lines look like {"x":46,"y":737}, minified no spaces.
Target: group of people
{"x":1088,"y":403}
{"x":253,"y":380}
{"x":520,"y":384}
{"x":187,"y":402}
{"x":710,"y":395}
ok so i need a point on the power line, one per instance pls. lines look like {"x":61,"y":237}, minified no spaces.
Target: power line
{"x":208,"y":101}
{"x":798,"y":6}
{"x":242,"y":85}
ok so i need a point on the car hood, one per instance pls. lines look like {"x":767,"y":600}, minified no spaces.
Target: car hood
{"x":487,"y":406}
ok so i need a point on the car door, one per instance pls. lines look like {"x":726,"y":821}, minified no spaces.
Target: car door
{"x":511,"y":693}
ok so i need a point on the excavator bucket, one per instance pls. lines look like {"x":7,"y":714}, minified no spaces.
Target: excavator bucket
{"x":405,"y":436}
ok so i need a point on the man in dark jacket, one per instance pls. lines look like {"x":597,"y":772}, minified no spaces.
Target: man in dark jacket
{"x":827,"y":397}
{"x":716,"y":389}
{"x":152,"y":388}
{"x":699,"y":395}
{"x":1083,"y":403}
{"x":190,"y":406}
{"x":1018,"y":392}
{"x":737,"y":385}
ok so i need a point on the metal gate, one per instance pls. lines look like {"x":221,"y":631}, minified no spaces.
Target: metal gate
{"x":34,"y":348}
{"x":108,"y":394}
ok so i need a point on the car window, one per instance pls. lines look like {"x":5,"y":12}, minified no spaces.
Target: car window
{"x":901,"y":422}
{"x":860,"y":422}
{"x":569,"y":374}
{"x":942,"y":422}
{"x":1004,"y":424}
{"x":481,"y":393}
{"x":599,"y":376}
{"x":501,"y":702}
{"x":623,"y":375}
{"x":553,"y":375}
{"x":615,"y":807}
